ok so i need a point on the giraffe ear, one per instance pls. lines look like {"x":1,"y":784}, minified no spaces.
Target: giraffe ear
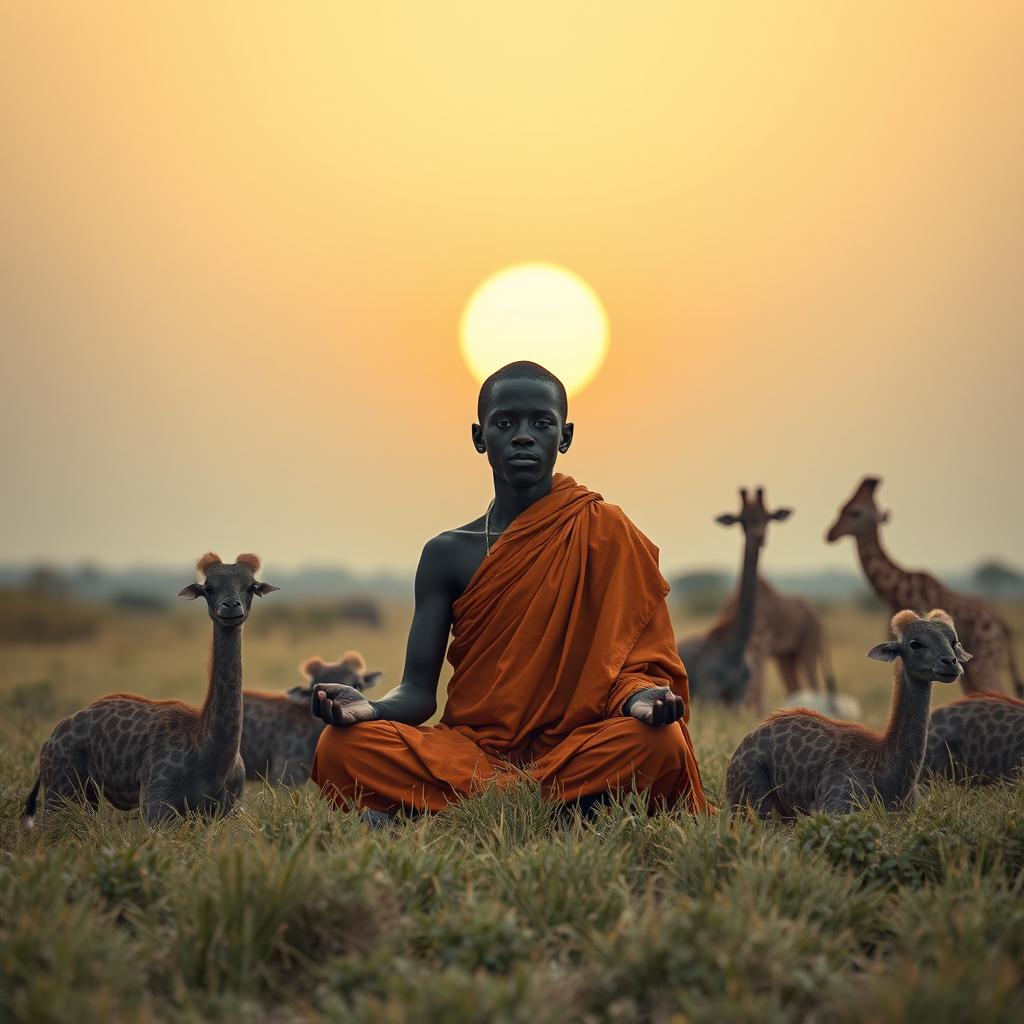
{"x":727,"y":519}
{"x":961,"y":655}
{"x":262,"y":589}
{"x":192,"y":591}
{"x":885,"y":652}
{"x":782,"y":514}
{"x":884,"y":517}
{"x":370,"y":679}
{"x":311,"y":666}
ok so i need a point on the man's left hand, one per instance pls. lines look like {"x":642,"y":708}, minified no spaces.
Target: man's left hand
{"x":657,"y":706}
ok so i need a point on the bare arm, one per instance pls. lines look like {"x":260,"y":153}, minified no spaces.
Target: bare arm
{"x":414,"y":700}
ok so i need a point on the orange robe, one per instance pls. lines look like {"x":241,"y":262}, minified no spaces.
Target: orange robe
{"x":563,"y":621}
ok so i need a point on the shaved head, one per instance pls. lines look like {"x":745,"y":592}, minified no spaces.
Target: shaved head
{"x":522,"y":370}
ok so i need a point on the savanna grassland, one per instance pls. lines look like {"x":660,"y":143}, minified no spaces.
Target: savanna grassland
{"x":493,"y":911}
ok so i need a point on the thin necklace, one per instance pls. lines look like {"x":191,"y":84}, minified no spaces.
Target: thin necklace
{"x":487,"y":529}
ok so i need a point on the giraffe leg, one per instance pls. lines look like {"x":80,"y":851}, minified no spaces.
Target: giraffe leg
{"x":808,"y":658}
{"x":65,"y":780}
{"x":787,"y":669}
{"x":755,"y":688}
{"x":836,"y":798}
{"x":749,"y":784}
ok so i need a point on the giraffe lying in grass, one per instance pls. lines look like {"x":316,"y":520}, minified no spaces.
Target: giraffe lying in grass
{"x":164,"y":755}
{"x":976,"y":739}
{"x":279,"y":734}
{"x":799,"y":761}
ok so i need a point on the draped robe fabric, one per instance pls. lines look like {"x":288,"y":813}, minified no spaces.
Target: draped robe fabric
{"x":561,"y":623}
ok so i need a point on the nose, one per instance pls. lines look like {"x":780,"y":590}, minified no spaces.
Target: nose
{"x":523,"y":441}
{"x":230,"y":604}
{"x":948,"y":663}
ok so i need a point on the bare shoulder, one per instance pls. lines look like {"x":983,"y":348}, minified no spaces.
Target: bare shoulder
{"x":451,"y":543}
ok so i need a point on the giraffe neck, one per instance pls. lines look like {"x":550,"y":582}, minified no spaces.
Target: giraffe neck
{"x":882,"y":572}
{"x":220,"y":722}
{"x":905,"y":736}
{"x":743,"y":624}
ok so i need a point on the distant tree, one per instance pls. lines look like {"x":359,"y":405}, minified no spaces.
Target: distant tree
{"x":45,"y":580}
{"x":361,"y":609}
{"x":132,"y":600}
{"x":996,"y":579}
{"x":702,"y":593}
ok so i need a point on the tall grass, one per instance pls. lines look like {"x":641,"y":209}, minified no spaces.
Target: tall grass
{"x":501,"y":909}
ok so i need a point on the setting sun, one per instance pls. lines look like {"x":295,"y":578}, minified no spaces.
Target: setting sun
{"x":536,"y":311}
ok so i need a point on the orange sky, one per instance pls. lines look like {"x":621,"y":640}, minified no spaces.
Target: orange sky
{"x":237,"y":242}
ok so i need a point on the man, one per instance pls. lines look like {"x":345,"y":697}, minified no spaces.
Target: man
{"x":564,"y":656}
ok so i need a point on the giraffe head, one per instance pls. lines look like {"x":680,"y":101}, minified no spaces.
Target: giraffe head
{"x":350,"y":669}
{"x":228,"y":589}
{"x":754,"y":516}
{"x":928,"y":645}
{"x":861,"y":514}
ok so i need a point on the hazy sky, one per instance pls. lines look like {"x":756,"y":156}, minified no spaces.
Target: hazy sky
{"x":236,"y":241}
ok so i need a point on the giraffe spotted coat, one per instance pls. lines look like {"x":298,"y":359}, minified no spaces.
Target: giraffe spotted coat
{"x":979,"y":738}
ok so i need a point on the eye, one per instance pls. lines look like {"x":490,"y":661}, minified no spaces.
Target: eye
{"x":916,"y":645}
{"x":503,"y":423}
{"x":544,"y":423}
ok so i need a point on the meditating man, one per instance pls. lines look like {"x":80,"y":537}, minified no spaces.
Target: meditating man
{"x":565,"y":664}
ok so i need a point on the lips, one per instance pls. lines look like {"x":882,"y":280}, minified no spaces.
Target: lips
{"x":523,"y":459}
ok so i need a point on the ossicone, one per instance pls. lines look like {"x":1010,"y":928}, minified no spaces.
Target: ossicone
{"x":206,"y":561}
{"x":899,"y":622}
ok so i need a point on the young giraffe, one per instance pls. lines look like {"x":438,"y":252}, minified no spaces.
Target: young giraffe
{"x":983,"y":630}
{"x":716,"y":662}
{"x":279,"y":735}
{"x":167,"y":756}
{"x":799,"y":761}
{"x":976,"y":739}
{"x":787,"y":629}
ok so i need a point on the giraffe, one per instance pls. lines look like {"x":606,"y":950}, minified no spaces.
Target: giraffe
{"x":979,"y":738}
{"x":716,"y":662}
{"x":787,"y":629}
{"x":164,"y":755}
{"x":279,"y":735}
{"x":799,"y":761}
{"x":983,"y":630}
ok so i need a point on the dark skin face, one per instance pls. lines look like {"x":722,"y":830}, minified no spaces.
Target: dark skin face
{"x":522,"y":433}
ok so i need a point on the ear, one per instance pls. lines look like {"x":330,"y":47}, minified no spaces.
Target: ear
{"x":884,"y":517}
{"x":192,"y":591}
{"x":370,"y":678}
{"x":885,"y":652}
{"x":311,"y":666}
{"x":262,"y":589}
{"x":567,"y":432}
{"x":961,"y":655}
{"x":727,"y":519}
{"x":300,"y":694}
{"x":478,"y":438}
{"x":782,"y":514}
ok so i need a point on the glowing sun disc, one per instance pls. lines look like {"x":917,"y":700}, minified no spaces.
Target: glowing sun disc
{"x":540,"y":312}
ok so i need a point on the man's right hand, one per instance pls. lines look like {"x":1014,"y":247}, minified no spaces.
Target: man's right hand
{"x":339,"y":704}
